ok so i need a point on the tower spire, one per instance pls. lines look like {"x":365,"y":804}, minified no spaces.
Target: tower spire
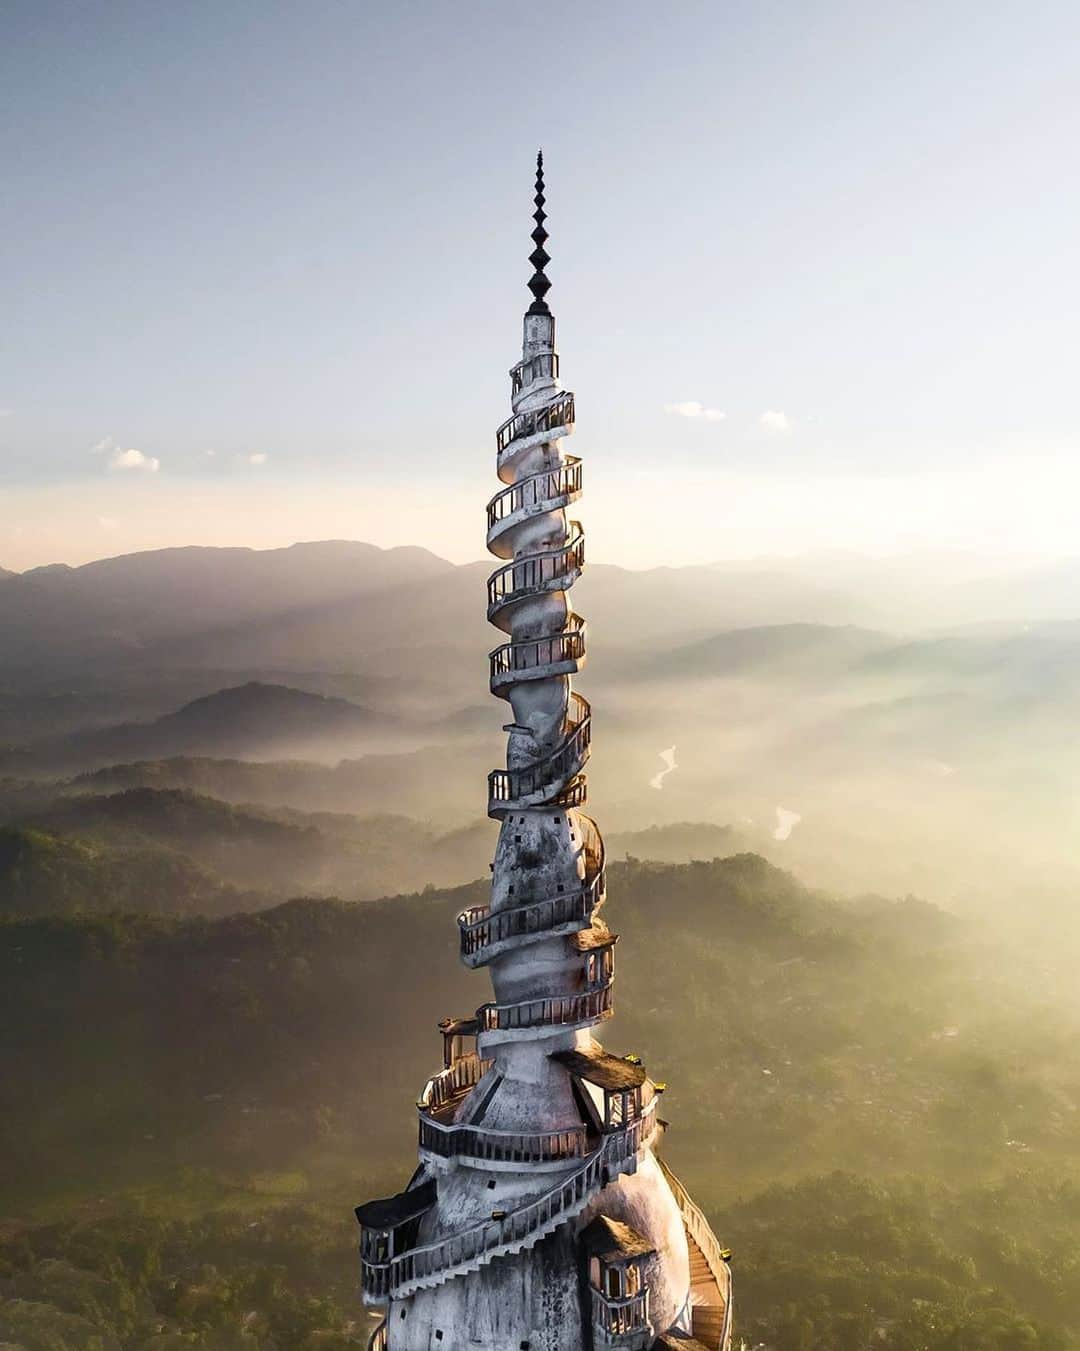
{"x":539,"y":284}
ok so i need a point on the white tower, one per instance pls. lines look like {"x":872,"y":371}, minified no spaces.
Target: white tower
{"x":540,"y":1219}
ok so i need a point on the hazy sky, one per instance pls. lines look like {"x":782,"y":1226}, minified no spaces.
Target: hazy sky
{"x":815,"y":269}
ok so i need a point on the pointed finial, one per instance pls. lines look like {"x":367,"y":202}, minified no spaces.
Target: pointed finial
{"x":539,"y":284}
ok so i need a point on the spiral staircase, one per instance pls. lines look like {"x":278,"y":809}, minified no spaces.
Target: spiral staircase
{"x":551,"y":957}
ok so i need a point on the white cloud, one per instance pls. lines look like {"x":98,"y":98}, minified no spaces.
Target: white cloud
{"x":134,"y":459}
{"x":100,"y":447}
{"x":259,"y":457}
{"x":692,"y":408}
{"x":775,"y":422}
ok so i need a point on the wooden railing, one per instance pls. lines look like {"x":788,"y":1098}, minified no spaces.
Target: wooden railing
{"x":464,"y":1074}
{"x":531,"y":657}
{"x":543,"y":365}
{"x":592,"y":844}
{"x":553,"y":771}
{"x":536,"y":573}
{"x":549,"y":486}
{"x":549,"y":1011}
{"x":614,"y":1319}
{"x":474,"y":1142}
{"x":374,"y":1281}
{"x":510,"y":1232}
{"x":699,"y":1229}
{"x":484,"y":931}
{"x":559,"y":413}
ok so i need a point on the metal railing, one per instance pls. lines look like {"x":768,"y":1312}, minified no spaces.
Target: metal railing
{"x":548,"y":486}
{"x":536,"y":573}
{"x":528,"y":657}
{"x":515,"y":785}
{"x":559,"y":413}
{"x":614,"y":1319}
{"x":474,"y":1142}
{"x":545,"y":365}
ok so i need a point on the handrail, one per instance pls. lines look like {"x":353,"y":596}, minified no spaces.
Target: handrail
{"x":592,"y":845}
{"x":536,"y":572}
{"x":725,"y":1327}
{"x":380,"y":1338}
{"x":527,"y":658}
{"x":464,"y":1074}
{"x":558,"y":413}
{"x":618,"y":1317}
{"x":548,"y":485}
{"x":512,"y":785}
{"x":482,"y":928}
{"x":525,"y":372}
{"x":549,"y":1010}
{"x":699,"y":1229}
{"x":474,"y":1142}
{"x":472,"y":1248}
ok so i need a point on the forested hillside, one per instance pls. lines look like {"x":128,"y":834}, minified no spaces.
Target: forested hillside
{"x":242,"y":1081}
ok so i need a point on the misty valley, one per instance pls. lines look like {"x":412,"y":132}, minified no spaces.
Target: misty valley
{"x":234,"y":842}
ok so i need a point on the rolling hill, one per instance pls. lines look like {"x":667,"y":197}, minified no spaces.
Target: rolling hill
{"x":258,"y":720}
{"x":241,"y":1065}
{"x":266,"y":853}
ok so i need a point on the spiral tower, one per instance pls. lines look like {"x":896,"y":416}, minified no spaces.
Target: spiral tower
{"x":539,"y":1217}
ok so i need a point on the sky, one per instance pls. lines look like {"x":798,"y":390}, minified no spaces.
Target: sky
{"x":815,"y":269}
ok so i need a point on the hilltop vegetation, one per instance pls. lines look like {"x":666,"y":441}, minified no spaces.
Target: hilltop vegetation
{"x":269,"y":853}
{"x":175,"y":851}
{"x":231,"y":1077}
{"x":795,"y":1031}
{"x":45,"y":874}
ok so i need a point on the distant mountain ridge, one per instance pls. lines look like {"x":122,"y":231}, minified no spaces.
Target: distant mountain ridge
{"x":122,"y":606}
{"x":346,"y":605}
